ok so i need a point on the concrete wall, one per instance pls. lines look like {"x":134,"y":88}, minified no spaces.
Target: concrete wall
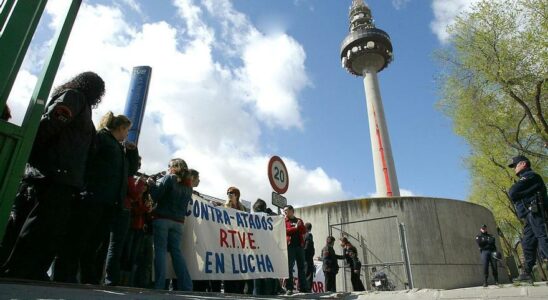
{"x":440,"y":236}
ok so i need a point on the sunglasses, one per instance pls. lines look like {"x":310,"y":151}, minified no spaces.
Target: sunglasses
{"x":231,"y":193}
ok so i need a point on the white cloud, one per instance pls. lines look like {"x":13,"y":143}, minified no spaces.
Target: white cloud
{"x":134,"y":5}
{"x":399,"y":4}
{"x":445,"y":12}
{"x":206,"y":109}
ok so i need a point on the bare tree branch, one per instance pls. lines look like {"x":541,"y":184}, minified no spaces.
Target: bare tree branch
{"x":540,"y":116}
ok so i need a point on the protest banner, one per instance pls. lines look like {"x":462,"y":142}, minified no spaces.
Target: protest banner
{"x":318,"y":283}
{"x":225,"y":244}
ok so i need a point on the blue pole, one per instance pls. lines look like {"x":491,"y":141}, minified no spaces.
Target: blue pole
{"x":137,"y":100}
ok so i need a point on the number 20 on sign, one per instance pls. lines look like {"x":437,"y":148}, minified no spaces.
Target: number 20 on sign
{"x":277,"y":175}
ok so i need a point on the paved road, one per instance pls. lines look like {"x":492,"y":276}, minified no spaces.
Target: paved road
{"x":37,"y":290}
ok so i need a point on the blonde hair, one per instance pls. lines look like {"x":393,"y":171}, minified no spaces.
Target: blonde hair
{"x":111,"y":122}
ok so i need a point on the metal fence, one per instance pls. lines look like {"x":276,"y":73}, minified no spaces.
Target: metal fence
{"x":376,"y":240}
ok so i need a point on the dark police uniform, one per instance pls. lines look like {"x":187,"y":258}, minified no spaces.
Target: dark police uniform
{"x":526,"y":194}
{"x":486,"y":243}
{"x":56,"y":174}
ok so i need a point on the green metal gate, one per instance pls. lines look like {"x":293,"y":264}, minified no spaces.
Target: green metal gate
{"x":18,"y":22}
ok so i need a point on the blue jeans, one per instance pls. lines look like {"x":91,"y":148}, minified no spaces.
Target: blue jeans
{"x":118,"y":232}
{"x":167,"y":237}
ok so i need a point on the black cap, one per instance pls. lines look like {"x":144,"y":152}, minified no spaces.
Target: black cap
{"x":516,"y":159}
{"x":483,"y":226}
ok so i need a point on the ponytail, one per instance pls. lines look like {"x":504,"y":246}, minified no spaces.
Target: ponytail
{"x":111,"y":122}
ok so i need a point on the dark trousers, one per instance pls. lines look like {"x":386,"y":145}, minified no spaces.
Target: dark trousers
{"x":215,"y":286}
{"x":330,"y":281}
{"x":296,"y":254}
{"x":132,"y":247}
{"x":143,"y":273}
{"x":357,"y":284}
{"x":310,"y":269}
{"x":234,"y":286}
{"x":118,"y":231}
{"x":534,"y":236}
{"x":86,"y":244}
{"x":486,"y":260}
{"x":265,"y":286}
{"x":200,"y":285}
{"x":42,"y":232}
{"x":24,"y":202}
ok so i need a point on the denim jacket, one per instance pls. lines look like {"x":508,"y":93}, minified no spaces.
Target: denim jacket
{"x":171,"y":198}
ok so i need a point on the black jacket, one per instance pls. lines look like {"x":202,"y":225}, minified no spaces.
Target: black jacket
{"x":107,"y":172}
{"x":330,"y":264}
{"x":347,"y":255}
{"x":525,"y":190}
{"x":355,"y":265}
{"x":309,"y":246}
{"x":63,"y":140}
{"x":486,"y":241}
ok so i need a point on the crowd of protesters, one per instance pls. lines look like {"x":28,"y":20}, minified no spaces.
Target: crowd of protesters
{"x":83,"y":213}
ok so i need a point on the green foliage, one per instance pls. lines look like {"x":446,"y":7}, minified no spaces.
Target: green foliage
{"x":494,"y":89}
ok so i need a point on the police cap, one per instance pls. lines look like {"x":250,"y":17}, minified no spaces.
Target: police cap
{"x":516,"y":159}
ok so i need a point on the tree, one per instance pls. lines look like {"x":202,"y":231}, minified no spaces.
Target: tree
{"x":494,"y":88}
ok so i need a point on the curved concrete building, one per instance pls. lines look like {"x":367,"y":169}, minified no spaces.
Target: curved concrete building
{"x":439,"y":233}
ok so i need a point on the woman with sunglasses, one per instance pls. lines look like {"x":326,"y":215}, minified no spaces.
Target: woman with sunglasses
{"x":233,"y":201}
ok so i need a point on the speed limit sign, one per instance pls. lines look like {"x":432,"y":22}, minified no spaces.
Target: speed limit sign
{"x":277,"y":175}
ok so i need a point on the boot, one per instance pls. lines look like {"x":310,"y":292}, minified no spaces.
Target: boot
{"x":496,"y":280}
{"x":524,"y":277}
{"x":485,"y":283}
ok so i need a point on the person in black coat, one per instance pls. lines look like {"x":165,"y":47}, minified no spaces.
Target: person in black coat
{"x":55,"y":174}
{"x":486,"y":244}
{"x":309,"y":251}
{"x":330,"y":265}
{"x":531,"y":202}
{"x":100,"y":205}
{"x":355,"y":269}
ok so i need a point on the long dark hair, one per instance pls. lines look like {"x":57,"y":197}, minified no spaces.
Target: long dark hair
{"x":89,"y":83}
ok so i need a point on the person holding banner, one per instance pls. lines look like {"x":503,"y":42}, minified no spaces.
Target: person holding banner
{"x":264,"y":286}
{"x":295,"y":231}
{"x":233,"y":194}
{"x":172,"y":195}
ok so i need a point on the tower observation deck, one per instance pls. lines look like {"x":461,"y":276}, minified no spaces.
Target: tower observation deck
{"x":365,"y":51}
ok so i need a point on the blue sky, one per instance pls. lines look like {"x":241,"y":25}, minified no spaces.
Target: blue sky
{"x":235,"y":82}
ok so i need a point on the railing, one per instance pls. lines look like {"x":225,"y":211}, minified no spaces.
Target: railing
{"x":18,"y":22}
{"x":397,"y":271}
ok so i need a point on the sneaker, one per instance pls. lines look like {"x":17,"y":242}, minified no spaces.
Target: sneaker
{"x":524,"y":277}
{"x":485,"y":284}
{"x":289,"y":292}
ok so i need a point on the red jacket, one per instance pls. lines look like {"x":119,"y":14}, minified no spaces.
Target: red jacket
{"x":136,"y":203}
{"x":290,"y":230}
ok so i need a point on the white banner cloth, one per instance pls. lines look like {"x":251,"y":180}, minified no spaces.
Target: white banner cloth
{"x":225,"y":244}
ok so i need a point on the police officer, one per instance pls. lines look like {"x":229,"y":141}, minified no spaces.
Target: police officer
{"x":530,"y":200}
{"x":486,"y":244}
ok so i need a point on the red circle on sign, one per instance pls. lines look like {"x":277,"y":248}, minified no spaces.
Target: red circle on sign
{"x":277,"y":175}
